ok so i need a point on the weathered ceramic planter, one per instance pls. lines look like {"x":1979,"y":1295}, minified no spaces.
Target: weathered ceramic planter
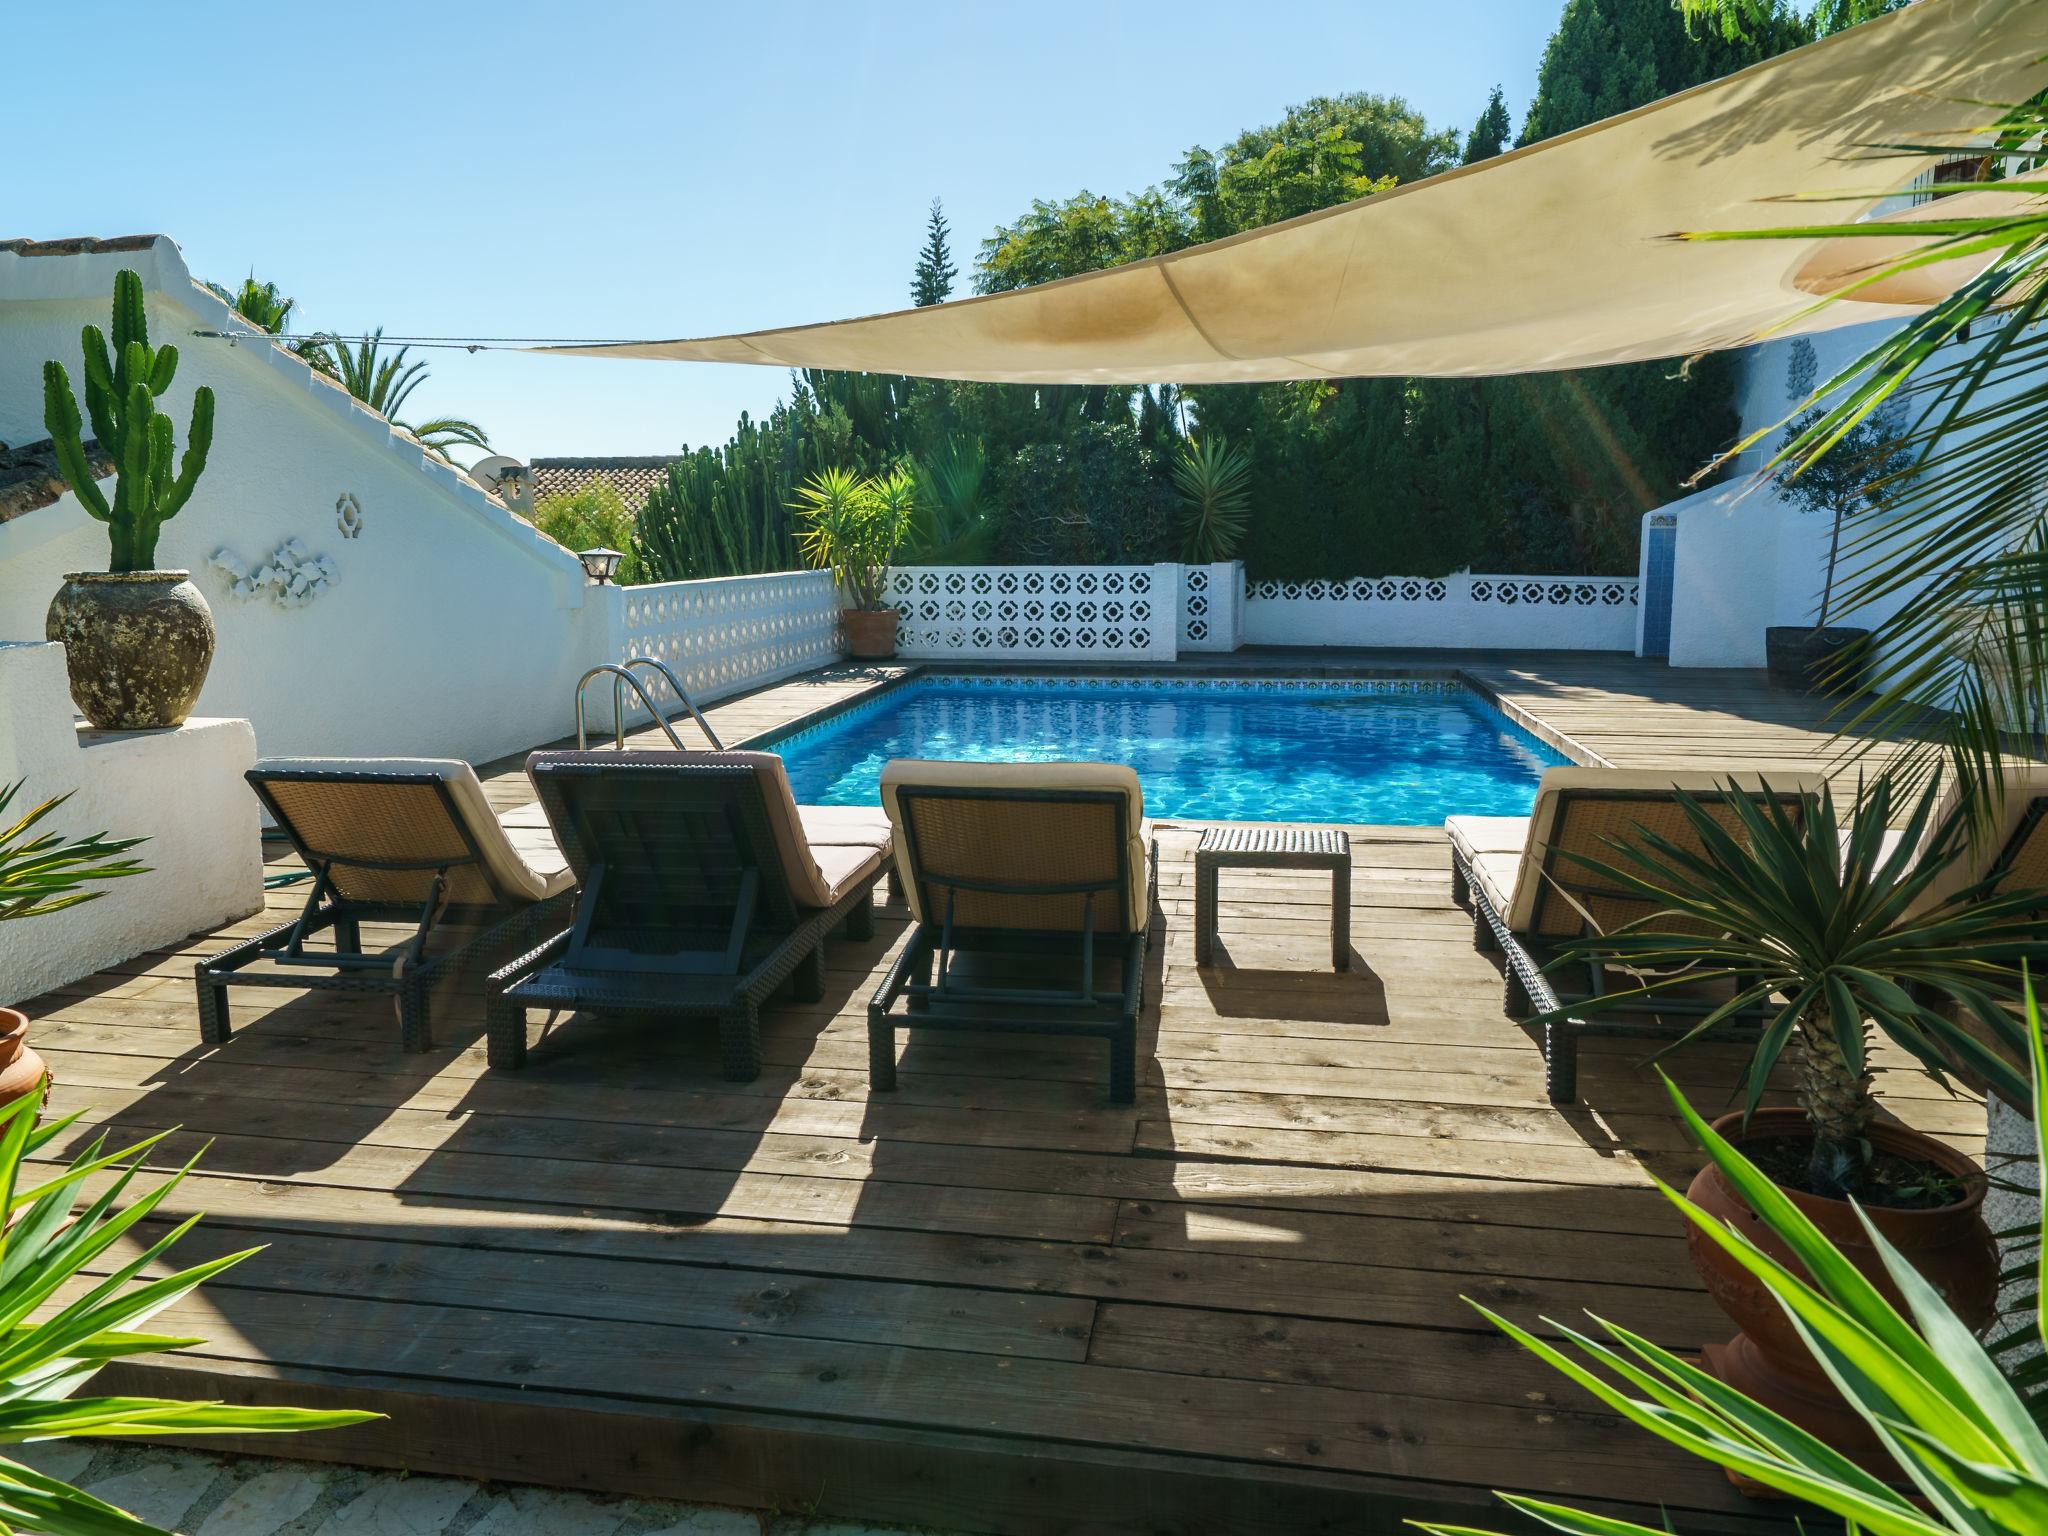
{"x":871,"y":633}
{"x":136,"y":643}
{"x":22,"y":1071}
{"x":1950,"y":1245}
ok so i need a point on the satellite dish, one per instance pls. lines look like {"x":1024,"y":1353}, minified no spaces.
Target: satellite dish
{"x":488,"y":471}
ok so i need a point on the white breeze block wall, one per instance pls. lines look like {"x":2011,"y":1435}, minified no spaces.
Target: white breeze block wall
{"x":722,"y":636}
{"x":1565,"y":613}
{"x":181,"y":789}
{"x":1037,"y":612}
{"x":448,"y":627}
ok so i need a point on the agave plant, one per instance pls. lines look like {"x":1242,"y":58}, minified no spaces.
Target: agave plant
{"x":383,"y":384}
{"x":48,"y":872}
{"x":53,"y":1232}
{"x":1214,"y":481}
{"x":1820,"y":932}
{"x":1933,"y":1396}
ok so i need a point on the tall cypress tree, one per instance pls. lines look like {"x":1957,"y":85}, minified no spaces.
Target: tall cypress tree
{"x":1489,"y":136}
{"x":932,"y":279}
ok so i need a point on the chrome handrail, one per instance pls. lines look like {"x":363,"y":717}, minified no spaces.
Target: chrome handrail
{"x":621,"y":675}
{"x":681,"y":692}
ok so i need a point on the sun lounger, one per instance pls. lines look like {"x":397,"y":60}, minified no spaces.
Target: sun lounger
{"x":702,"y":887}
{"x":388,"y":840}
{"x":1033,"y":866}
{"x":1529,"y":897}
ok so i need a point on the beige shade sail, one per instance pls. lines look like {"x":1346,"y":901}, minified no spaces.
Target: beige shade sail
{"x":1554,"y":256}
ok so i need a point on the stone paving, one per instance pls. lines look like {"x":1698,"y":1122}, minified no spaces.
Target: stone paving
{"x":201,"y":1495}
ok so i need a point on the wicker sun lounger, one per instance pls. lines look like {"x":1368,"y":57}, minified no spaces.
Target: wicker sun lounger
{"x":388,"y":840}
{"x":1528,"y":897}
{"x":702,"y":888}
{"x":1038,"y":866}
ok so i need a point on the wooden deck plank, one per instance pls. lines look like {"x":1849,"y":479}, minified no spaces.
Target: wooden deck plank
{"x":989,"y":1299}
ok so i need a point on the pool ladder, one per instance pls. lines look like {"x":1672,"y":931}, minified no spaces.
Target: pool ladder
{"x":622,"y":676}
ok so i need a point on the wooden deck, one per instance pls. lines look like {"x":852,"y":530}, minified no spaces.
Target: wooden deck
{"x":988,"y":1302}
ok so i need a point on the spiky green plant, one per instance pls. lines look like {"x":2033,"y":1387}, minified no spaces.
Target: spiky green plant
{"x":1214,"y":481}
{"x":1965,"y":1436}
{"x":58,"y":1326}
{"x":855,"y":526}
{"x":47,"y":873}
{"x":1848,"y":933}
{"x":955,"y":524}
{"x":122,"y":388}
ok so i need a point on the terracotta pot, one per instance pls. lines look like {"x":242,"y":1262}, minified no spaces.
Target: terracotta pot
{"x":871,"y":632}
{"x":136,"y":643}
{"x":22,"y":1071}
{"x":1950,"y":1245}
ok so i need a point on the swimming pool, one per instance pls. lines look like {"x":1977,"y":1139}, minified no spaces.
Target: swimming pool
{"x":1391,"y":751}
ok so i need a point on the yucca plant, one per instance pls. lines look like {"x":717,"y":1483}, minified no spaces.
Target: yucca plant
{"x":1825,"y":935}
{"x":48,"y":872}
{"x":1933,"y":1396}
{"x":1214,"y":481}
{"x":58,"y":1326}
{"x":855,"y":526}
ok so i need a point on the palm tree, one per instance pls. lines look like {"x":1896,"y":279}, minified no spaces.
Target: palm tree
{"x":261,"y":304}
{"x":1960,"y":550}
{"x":383,"y":383}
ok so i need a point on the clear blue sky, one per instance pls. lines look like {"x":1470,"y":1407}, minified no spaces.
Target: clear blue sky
{"x":658,"y":169}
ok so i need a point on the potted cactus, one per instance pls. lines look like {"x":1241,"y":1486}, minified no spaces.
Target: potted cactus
{"x":137,"y":640}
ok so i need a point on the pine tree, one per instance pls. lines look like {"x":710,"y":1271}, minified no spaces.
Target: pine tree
{"x":933,"y":276}
{"x":1489,"y":136}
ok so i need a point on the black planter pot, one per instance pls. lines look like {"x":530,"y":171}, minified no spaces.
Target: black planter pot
{"x":1833,"y":661}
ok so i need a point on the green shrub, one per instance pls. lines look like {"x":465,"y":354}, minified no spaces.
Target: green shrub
{"x":1097,"y":496}
{"x":589,"y":518}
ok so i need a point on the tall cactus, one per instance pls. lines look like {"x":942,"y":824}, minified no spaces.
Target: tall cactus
{"x":121,"y":391}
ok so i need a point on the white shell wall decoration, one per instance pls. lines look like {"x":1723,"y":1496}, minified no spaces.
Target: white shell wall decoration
{"x":291,"y":577}
{"x":348,"y":515}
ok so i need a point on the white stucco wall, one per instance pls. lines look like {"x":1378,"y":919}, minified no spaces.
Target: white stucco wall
{"x":1746,"y":559}
{"x":181,"y":789}
{"x":451,"y":627}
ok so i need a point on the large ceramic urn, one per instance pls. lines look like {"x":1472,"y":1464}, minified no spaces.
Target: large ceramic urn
{"x":136,"y":643}
{"x":22,"y":1071}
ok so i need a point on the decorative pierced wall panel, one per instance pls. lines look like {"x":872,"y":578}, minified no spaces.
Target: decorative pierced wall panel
{"x":1585,"y":613}
{"x":731,"y":633}
{"x":1036,"y":612}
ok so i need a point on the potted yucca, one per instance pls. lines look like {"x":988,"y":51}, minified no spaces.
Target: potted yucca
{"x":1828,"y":936}
{"x":854,"y":526}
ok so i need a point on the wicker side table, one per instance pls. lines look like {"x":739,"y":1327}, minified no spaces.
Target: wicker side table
{"x":1274,"y":848}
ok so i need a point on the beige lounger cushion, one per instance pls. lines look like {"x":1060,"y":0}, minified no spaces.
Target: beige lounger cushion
{"x":1022,"y":840}
{"x":372,"y":818}
{"x":861,"y":826}
{"x":1600,"y":804}
{"x":1492,"y":849}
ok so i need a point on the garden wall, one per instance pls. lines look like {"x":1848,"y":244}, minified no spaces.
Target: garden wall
{"x":1457,"y":612}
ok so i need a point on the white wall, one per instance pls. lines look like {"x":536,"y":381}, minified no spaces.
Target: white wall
{"x":181,"y":789}
{"x":1746,"y":559}
{"x":451,"y":627}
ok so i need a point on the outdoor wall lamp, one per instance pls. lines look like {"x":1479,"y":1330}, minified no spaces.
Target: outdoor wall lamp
{"x":600,"y":563}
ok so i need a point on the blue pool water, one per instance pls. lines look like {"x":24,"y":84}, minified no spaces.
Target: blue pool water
{"x":1396,"y":752}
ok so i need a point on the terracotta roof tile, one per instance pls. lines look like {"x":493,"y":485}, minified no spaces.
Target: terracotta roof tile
{"x":632,"y":478}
